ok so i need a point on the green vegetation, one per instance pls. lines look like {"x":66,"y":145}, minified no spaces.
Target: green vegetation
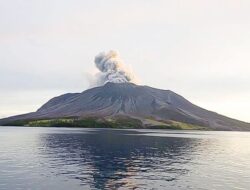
{"x":16,"y":123}
{"x":154,"y":124}
{"x":125,"y":122}
{"x":90,"y":122}
{"x":112,"y":122}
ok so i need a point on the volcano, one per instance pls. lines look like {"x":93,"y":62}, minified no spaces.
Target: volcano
{"x":144,"y":103}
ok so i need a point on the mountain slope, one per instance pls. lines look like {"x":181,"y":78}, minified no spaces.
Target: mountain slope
{"x":115,"y":99}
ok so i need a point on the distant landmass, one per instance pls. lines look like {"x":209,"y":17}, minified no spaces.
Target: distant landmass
{"x":121,"y":105}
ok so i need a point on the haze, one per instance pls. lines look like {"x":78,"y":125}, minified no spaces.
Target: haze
{"x":199,"y":49}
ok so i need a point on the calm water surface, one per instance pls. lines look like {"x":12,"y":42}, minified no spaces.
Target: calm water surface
{"x":63,"y":158}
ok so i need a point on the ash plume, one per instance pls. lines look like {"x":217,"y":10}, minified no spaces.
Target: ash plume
{"x":111,"y":69}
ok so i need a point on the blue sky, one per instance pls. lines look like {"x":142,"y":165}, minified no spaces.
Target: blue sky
{"x":199,"y":49}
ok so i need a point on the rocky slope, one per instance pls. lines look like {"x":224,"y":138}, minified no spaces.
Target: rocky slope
{"x":130,"y":100}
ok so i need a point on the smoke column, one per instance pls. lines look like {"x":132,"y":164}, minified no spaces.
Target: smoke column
{"x":111,"y":69}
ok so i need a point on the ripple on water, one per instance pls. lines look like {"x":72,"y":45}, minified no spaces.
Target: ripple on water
{"x":60,"y":158}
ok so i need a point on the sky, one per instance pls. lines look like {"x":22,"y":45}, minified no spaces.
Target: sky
{"x":199,"y":49}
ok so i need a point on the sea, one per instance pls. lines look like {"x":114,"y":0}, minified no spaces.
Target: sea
{"x":41,"y":158}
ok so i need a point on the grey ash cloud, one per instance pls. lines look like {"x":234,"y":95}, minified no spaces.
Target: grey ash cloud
{"x":111,"y":69}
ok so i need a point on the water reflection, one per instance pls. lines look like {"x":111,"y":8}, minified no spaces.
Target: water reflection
{"x":112,"y":159}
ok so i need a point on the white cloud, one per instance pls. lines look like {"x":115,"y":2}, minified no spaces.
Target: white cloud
{"x":196,"y":48}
